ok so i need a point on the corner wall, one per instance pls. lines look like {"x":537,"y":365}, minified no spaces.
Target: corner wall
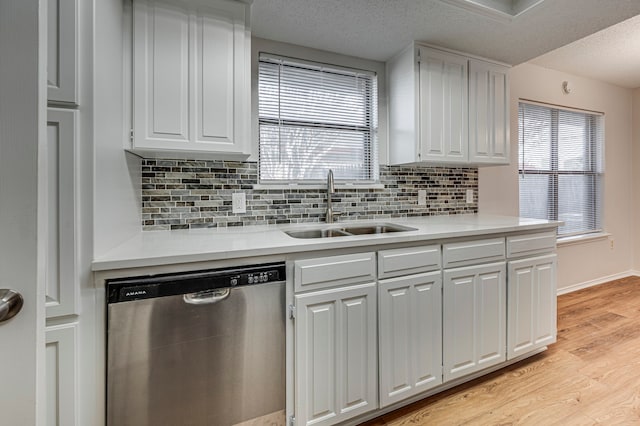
{"x":636,"y":179}
{"x":589,"y":261}
{"x":116,"y":173}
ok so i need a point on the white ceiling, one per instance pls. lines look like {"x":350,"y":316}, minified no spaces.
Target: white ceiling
{"x":611,"y":55}
{"x":378,"y":29}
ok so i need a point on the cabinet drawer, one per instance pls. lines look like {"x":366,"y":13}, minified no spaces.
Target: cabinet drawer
{"x":521,"y":245}
{"x":470,"y":252}
{"x":408,"y":260}
{"x":323,"y":272}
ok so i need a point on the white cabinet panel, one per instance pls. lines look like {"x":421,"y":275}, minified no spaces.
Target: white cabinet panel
{"x":335,"y":354}
{"x":475,"y":312}
{"x":191,"y":78}
{"x":469,"y":252}
{"x":61,"y":373}
{"x":62,"y":52}
{"x":443,"y":106}
{"x":532,"y":304}
{"x":61,"y":168}
{"x":531,"y":244}
{"x":215,"y":76}
{"x":409,"y":260}
{"x":161,"y":74}
{"x":410,"y":339}
{"x":331,"y":271}
{"x":488,"y":113}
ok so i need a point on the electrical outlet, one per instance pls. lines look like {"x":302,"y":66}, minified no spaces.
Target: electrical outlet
{"x":612,"y":244}
{"x":239,"y":202}
{"x":422,"y":197}
{"x":469,"y":196}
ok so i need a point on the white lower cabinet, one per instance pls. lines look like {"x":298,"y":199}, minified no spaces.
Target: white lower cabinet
{"x":61,"y":376}
{"x":474,"y":327}
{"x":335,"y":354}
{"x":437,"y":313}
{"x":410,"y":341}
{"x":532,"y":304}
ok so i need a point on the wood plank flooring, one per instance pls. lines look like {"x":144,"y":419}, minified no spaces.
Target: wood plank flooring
{"x":591,"y":376}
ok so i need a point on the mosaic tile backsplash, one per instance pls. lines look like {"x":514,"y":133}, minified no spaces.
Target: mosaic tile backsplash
{"x":183,"y":194}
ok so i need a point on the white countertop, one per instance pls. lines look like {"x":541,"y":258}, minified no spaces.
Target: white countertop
{"x":155,"y":248}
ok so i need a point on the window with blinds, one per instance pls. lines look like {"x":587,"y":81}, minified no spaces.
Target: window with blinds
{"x":561,"y":166}
{"x":315,"y":117}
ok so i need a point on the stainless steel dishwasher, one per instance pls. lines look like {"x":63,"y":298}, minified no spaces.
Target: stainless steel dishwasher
{"x":198,"y":348}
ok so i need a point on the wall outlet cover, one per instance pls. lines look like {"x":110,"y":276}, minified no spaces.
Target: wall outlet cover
{"x":239,"y":202}
{"x":469,"y":196}
{"x":422,"y":197}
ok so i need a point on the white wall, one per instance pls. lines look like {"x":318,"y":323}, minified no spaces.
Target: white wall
{"x":117,"y":181}
{"x":636,"y":179}
{"x":498,"y":186}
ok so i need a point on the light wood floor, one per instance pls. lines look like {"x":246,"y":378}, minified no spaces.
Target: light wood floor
{"x":591,"y":376}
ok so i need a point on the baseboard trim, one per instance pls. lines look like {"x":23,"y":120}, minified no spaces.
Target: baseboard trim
{"x":597,"y":281}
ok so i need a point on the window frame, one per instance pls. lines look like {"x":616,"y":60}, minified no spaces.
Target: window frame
{"x":372,"y":130}
{"x":595,"y":170}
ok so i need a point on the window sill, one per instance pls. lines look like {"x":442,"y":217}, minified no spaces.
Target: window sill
{"x":338,"y":186}
{"x":579,"y":239}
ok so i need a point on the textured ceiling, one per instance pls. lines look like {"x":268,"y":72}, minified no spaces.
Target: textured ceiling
{"x":611,"y":55}
{"x":378,"y":29}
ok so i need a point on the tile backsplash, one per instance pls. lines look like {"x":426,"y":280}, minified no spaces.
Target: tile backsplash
{"x":182,"y":194}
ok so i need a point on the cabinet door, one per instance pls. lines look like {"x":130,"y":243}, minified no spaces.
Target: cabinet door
{"x":191,"y":77}
{"x":531,"y":322}
{"x":488,"y":113}
{"x":410,"y":343}
{"x":335,"y":354}
{"x":61,"y":372}
{"x":62,"y":52}
{"x":443,"y":107}
{"x":222,"y":83}
{"x":61,"y":278}
{"x":475,"y":319}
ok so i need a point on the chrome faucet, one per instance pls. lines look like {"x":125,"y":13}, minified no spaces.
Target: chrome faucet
{"x":330,"y":214}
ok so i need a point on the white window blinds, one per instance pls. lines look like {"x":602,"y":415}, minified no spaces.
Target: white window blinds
{"x":561,"y":166}
{"x":314,"y":117}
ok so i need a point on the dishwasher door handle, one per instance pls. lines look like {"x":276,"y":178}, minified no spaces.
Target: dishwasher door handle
{"x":206,"y":297}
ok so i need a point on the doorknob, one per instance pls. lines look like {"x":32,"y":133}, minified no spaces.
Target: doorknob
{"x":10,"y":303}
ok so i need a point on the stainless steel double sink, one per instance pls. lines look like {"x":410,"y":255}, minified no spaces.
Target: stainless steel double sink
{"x":348,"y":230}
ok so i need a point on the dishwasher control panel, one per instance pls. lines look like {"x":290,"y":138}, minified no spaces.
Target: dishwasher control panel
{"x":150,"y":286}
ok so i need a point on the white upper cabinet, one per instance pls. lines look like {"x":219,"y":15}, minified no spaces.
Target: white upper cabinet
{"x":446,"y":108}
{"x":488,"y":113}
{"x":191,"y":78}
{"x":62,"y":52}
{"x":443,"y":107}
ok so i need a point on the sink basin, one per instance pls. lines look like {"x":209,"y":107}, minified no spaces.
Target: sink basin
{"x":318,"y":233}
{"x":376,"y":229}
{"x":347,"y":231}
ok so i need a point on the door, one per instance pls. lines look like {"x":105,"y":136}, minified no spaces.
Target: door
{"x":474,"y":331}
{"x":22,"y":128}
{"x":336,"y":347}
{"x":219,"y":358}
{"x":443,"y":106}
{"x":488,"y":113}
{"x":410,"y":330}
{"x":532,"y":304}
